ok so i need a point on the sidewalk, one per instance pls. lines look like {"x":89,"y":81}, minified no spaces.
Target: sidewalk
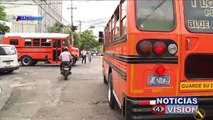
{"x":5,"y":92}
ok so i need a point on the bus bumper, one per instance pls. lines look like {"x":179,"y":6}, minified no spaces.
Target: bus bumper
{"x":135,"y":111}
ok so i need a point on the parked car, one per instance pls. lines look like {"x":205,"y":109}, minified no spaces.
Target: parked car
{"x":8,"y":58}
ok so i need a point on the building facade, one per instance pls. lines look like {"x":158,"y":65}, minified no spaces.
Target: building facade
{"x":50,"y":10}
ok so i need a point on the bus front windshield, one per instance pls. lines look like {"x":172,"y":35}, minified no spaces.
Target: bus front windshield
{"x":65,"y":43}
{"x":155,"y":15}
{"x":198,"y":16}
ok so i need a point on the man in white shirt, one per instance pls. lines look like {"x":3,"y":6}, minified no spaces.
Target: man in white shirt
{"x":65,"y":57}
{"x":84,"y":52}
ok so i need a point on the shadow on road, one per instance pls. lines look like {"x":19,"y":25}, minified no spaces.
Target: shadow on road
{"x":6,"y":73}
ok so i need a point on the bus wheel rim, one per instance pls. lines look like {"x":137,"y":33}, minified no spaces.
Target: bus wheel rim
{"x":26,"y":61}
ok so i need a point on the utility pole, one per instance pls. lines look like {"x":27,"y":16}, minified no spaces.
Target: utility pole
{"x":71,"y":37}
{"x":79,"y":25}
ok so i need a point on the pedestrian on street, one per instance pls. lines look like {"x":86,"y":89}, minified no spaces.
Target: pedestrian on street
{"x":84,"y":53}
{"x":89,"y":56}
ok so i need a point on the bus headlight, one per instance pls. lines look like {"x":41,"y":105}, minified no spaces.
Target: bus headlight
{"x":172,"y":48}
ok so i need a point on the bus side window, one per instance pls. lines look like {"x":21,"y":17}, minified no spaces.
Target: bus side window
{"x":45,"y":42}
{"x":27,"y":42}
{"x":123,"y":18}
{"x":117,"y":24}
{"x":65,"y":43}
{"x":36,"y":42}
{"x":13,"y":41}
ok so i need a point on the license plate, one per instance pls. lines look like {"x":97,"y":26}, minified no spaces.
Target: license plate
{"x":66,"y":68}
{"x":7,"y":63}
{"x":159,"y":80}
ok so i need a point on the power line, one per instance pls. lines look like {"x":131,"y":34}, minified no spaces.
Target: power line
{"x":12,"y":3}
{"x":47,"y":12}
{"x":57,"y":12}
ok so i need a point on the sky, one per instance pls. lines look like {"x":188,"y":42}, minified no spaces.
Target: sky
{"x":90,"y":12}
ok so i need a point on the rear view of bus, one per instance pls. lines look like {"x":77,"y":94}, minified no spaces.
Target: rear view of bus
{"x":161,"y":66}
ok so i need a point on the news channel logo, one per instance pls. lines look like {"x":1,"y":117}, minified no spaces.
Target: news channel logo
{"x":175,"y":105}
{"x":199,"y":114}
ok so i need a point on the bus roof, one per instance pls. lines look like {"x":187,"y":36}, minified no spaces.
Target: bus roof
{"x":37,"y":35}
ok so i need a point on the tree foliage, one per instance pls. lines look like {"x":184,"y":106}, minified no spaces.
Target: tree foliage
{"x":2,"y":13}
{"x":86,"y":40}
{"x":3,"y":27}
{"x":56,"y":28}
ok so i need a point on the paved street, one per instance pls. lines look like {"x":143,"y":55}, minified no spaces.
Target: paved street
{"x":40,"y":93}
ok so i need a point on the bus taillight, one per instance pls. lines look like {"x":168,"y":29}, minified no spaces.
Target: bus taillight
{"x":160,"y":70}
{"x":159,"y":48}
{"x":172,"y":48}
{"x":146,"y":47}
{"x":156,"y":48}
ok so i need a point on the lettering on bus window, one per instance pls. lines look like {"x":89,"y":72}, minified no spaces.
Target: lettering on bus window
{"x":13,"y":41}
{"x":27,"y":42}
{"x":198,"y":15}
{"x":36,"y":42}
{"x":155,"y":15}
{"x":45,"y":42}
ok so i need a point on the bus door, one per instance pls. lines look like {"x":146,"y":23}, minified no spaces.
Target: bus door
{"x":196,"y":48}
{"x":56,"y":50}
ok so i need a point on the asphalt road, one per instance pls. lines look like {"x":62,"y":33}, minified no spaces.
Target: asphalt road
{"x":40,"y":93}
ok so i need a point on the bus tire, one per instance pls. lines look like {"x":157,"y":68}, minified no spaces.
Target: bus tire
{"x":111,"y":97}
{"x":26,"y":61}
{"x":105,"y":80}
{"x":124,"y":110}
{"x":10,"y":71}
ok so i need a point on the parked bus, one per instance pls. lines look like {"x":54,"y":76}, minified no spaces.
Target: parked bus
{"x":34,"y":47}
{"x":158,"y":48}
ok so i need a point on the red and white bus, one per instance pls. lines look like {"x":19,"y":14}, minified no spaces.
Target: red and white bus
{"x":34,"y":47}
{"x":159,"y":48}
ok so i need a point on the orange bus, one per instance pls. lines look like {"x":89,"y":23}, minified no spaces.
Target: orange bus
{"x":158,"y":48}
{"x":34,"y":47}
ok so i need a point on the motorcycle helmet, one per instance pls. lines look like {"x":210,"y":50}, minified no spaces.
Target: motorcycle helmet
{"x":65,"y":49}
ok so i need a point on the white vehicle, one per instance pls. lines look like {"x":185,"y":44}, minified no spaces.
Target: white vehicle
{"x":8,"y":58}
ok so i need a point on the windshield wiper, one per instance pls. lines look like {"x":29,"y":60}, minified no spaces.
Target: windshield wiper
{"x":153,"y":10}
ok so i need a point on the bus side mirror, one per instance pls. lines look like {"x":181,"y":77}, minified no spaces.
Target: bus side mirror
{"x":100,"y":37}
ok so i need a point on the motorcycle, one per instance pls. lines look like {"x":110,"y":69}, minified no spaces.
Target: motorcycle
{"x":65,"y":70}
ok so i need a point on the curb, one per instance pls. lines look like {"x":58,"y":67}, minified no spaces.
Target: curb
{"x":5,"y":93}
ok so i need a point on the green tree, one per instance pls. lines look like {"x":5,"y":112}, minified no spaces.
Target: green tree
{"x":3,"y":27}
{"x":88,"y":40}
{"x":56,"y":28}
{"x":77,"y":40}
{"x":2,"y":13}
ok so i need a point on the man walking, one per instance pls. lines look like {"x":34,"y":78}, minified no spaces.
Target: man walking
{"x":89,"y":56}
{"x":83,"y":53}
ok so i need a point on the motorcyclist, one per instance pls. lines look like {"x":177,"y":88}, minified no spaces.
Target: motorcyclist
{"x":65,"y":57}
